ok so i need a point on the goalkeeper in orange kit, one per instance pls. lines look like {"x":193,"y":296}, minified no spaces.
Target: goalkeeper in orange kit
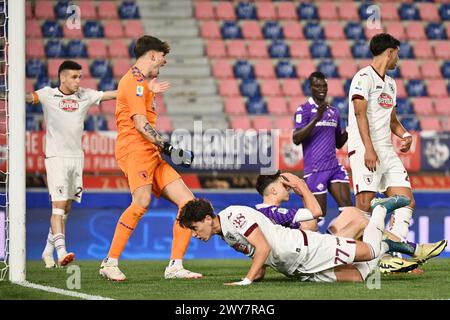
{"x":138,"y":153}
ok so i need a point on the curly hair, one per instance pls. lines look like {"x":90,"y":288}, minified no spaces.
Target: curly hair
{"x":194,"y":211}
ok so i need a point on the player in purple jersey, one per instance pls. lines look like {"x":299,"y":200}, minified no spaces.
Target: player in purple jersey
{"x":318,"y":129}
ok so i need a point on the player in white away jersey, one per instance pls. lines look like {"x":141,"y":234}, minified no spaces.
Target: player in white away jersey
{"x":304,"y":254}
{"x":65,"y":109}
{"x":372,"y":119}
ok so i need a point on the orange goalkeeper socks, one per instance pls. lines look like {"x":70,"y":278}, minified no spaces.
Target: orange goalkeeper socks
{"x":180,"y":242}
{"x":125,"y":227}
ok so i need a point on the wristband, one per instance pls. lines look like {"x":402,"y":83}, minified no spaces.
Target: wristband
{"x":406,"y":135}
{"x":245,"y":282}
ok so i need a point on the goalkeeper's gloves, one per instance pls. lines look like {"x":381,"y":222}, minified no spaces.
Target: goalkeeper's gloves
{"x":178,"y":156}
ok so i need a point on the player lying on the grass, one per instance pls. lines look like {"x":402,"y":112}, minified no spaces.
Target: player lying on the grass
{"x":350,"y":223}
{"x":304,"y":254}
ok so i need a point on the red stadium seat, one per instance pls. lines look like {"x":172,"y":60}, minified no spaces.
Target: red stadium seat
{"x":305,"y":68}
{"x":348,"y":11}
{"x":251,"y":30}
{"x":396,"y":30}
{"x":264,"y":69}
{"x":94,"y":110}
{"x":347,"y":68}
{"x":216,"y":49}
{"x":29,"y":13}
{"x":293,"y":30}
{"x":334,"y":30}
{"x":29,"y":87}
{"x":300,"y":49}
{"x":222,"y":69}
{"x":442,"y":49}
{"x":415,"y":31}
{"x":229,"y":88}
{"x":97,"y":49}
{"x":428,"y":11}
{"x":262,"y":122}
{"x":335,"y":88}
{"x":270,"y":87}
{"x":437,"y":88}
{"x":401,"y":90}
{"x":442,"y":106}
{"x":423,"y":106}
{"x":240,"y":122}
{"x":409,"y":69}
{"x":88,"y":10}
{"x":327,"y":10}
{"x":35,"y":49}
{"x":423,"y":49}
{"x":109,"y":107}
{"x":430,"y":123}
{"x":430,"y":69}
{"x":287,"y":11}
{"x":44,"y":10}
{"x":291,"y":87}
{"x":114,"y":29}
{"x":389,"y":11}
{"x":90,"y":83}
{"x":133,"y":28}
{"x":204,"y":10}
{"x":295,"y":102}
{"x":284,"y":123}
{"x":277,"y":106}
{"x":33,"y":29}
{"x":225,"y":11}
{"x":210,"y":30}
{"x":237,"y":49}
{"x":118,"y":49}
{"x":341,"y":49}
{"x":258,"y":49}
{"x":445,"y":123}
{"x":235,"y":106}
{"x":76,"y":33}
{"x":370,"y":33}
{"x":362,"y":63}
{"x":164,"y":124}
{"x":160,"y":104}
{"x":107,"y":10}
{"x":266,"y":11}
{"x":120,"y":67}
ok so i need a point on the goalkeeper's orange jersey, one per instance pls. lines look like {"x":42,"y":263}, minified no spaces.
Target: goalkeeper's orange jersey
{"x":133,"y":97}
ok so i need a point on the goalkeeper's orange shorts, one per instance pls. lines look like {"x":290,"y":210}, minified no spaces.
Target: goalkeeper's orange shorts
{"x":143,"y":169}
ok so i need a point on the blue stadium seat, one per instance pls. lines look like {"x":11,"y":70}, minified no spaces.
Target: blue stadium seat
{"x":354,"y":31}
{"x":129,"y":10}
{"x":306,"y":88}
{"x":404,"y":106}
{"x":256,"y":105}
{"x":101,"y":69}
{"x":360,"y":50}
{"x":35,"y":68}
{"x":445,"y":69}
{"x":231,"y":30}
{"x":96,"y":123}
{"x":93,"y":29}
{"x":55,"y":49}
{"x":347,"y":85}
{"x":131,"y":48}
{"x":52,"y":29}
{"x":319,"y":49}
{"x":344,"y":122}
{"x":362,"y":10}
{"x":285,"y":69}
{"x":61,"y":9}
{"x":250,"y":88}
{"x":408,"y":11}
{"x":243,"y":69}
{"x":448,"y":88}
{"x":405,"y":51}
{"x":273,"y":30}
{"x":313,"y":30}
{"x":328,"y":68}
{"x":34,"y":108}
{"x":444,"y":11}
{"x":42,"y":82}
{"x":410,"y":123}
{"x":342,"y":104}
{"x":436,"y":31}
{"x":394,"y":73}
{"x":416,"y":88}
{"x":307,"y":11}
{"x":245,"y":10}
{"x":279,"y":49}
{"x":107,"y":84}
{"x":32,"y":123}
{"x":76,"y":49}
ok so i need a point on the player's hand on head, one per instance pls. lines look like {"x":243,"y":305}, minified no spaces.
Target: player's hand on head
{"x":158,"y":87}
{"x":405,"y":144}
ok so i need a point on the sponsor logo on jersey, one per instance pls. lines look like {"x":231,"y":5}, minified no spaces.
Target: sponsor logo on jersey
{"x":139,"y":91}
{"x":283,"y":210}
{"x":385,"y":100}
{"x":363,"y":74}
{"x":378,"y":87}
{"x":58,"y":96}
{"x":358,"y":88}
{"x":368,"y":178}
{"x":68,"y":105}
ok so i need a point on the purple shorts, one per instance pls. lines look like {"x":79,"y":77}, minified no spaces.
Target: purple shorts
{"x":318,"y":181}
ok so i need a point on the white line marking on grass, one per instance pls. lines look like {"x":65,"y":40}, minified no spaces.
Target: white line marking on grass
{"x":61,"y":291}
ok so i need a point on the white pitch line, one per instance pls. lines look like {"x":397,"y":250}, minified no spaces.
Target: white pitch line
{"x":61,"y":291}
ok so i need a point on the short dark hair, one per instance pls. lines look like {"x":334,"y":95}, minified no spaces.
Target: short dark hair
{"x":194,"y":211}
{"x":264,"y":180}
{"x":68,"y":65}
{"x":381,"y":42}
{"x":316,"y":75}
{"x":147,"y":43}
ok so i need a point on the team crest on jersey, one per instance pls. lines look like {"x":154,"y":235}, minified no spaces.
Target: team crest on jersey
{"x":385,"y":101}
{"x":298,"y":118}
{"x":60,"y":190}
{"x":391,"y":87}
{"x":69,"y":105}
{"x":230,"y":236}
{"x":143,"y":175}
{"x":320,"y":186}
{"x":139,"y":91}
{"x":368,"y":178}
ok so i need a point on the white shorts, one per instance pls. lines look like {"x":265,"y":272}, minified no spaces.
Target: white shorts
{"x":390,"y":172}
{"x":65,"y":178}
{"x":325,"y":252}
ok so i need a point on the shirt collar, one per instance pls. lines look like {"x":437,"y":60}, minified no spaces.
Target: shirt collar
{"x":263,"y":205}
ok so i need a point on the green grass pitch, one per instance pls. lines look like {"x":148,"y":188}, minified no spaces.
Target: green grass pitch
{"x":146,"y":281}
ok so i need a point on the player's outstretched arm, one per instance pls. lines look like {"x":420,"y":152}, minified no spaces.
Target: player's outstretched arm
{"x":109,"y":95}
{"x":370,"y":157}
{"x":400,"y":131}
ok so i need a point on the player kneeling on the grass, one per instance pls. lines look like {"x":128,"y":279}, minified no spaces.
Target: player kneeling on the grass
{"x":307,"y":255}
